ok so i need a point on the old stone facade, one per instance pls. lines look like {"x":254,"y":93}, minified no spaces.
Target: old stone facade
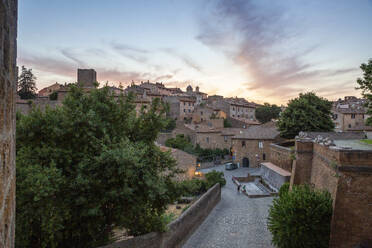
{"x":8,"y":78}
{"x":349,"y":114}
{"x":252,"y":145}
{"x":347,"y":175}
{"x":87,"y":78}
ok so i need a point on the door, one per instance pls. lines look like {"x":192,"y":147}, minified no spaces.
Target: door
{"x":245,"y":162}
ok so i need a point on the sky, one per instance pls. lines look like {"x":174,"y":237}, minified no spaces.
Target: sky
{"x":263,"y":50}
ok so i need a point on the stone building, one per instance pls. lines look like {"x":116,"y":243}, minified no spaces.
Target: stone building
{"x":49,"y":90}
{"x":252,"y":145}
{"x":180,"y":108}
{"x":8,"y":85}
{"x":87,"y":78}
{"x":237,"y":108}
{"x":349,"y":114}
{"x":342,"y":165}
{"x":200,"y":97}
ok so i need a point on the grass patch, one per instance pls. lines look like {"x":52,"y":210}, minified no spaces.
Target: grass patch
{"x":367,"y":141}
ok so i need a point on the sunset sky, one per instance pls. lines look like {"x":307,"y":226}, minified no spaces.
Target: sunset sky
{"x":263,"y":50}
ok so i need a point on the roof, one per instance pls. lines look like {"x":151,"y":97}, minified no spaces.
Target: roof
{"x":336,"y":135}
{"x":258,"y":132}
{"x":231,"y":131}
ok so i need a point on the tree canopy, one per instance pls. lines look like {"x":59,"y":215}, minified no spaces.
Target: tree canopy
{"x":26,"y":84}
{"x":267,"y":112}
{"x":365,"y":84}
{"x":307,"y":112}
{"x":87,"y":167}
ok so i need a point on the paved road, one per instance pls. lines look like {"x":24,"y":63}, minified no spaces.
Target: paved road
{"x":236,"y":222}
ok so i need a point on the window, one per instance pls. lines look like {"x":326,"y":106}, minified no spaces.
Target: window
{"x":349,"y":125}
{"x":260,"y":144}
{"x":189,"y":110}
{"x":264,"y":156}
{"x":184,"y":110}
{"x":233,"y":108}
{"x":189,"y":104}
{"x":207,"y":139}
{"x":243,"y":143}
{"x":238,"y":115}
{"x":352,"y":116}
{"x":362,"y":116}
{"x":201,"y":112}
{"x":184,"y":103}
{"x":225,"y":138}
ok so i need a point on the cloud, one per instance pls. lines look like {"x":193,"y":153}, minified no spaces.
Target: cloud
{"x":48,"y":64}
{"x":184,"y":58}
{"x":70,"y":54}
{"x":137,"y":54}
{"x":259,"y":38}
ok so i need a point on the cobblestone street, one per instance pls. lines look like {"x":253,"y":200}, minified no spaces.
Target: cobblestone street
{"x":236,"y":222}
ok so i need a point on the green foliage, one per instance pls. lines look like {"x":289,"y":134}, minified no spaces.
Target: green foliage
{"x":365,"y":84}
{"x":300,"y":218}
{"x":53,"y":96}
{"x":226,"y":123}
{"x":308,"y":112}
{"x":214,"y":177}
{"x":267,"y":112}
{"x":87,"y":167}
{"x":26,"y":84}
{"x":195,"y":186}
{"x":170,"y":125}
{"x":183,"y":143}
{"x":284,"y":189}
{"x":367,"y":141}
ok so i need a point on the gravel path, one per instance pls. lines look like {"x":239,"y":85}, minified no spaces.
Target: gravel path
{"x":236,"y":222}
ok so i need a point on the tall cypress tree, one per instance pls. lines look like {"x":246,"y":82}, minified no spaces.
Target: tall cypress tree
{"x":26,"y":84}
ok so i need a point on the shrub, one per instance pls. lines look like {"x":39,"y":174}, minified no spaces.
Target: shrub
{"x":300,"y":218}
{"x":192,"y":187}
{"x":284,"y":189}
{"x":215,"y":177}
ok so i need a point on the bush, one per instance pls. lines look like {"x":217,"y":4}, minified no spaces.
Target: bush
{"x":284,"y":189}
{"x":215,"y":177}
{"x":192,"y":187}
{"x":195,"y":186}
{"x":300,"y":218}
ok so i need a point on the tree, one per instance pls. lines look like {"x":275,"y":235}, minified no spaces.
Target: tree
{"x":267,"y":112}
{"x":365,"y":84}
{"x":300,"y":218}
{"x":26,"y":84}
{"x":87,"y":167}
{"x":308,"y":112}
{"x":226,"y":123}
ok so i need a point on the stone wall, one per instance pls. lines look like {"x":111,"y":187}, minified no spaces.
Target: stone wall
{"x":347,"y":175}
{"x":8,"y":77}
{"x":250,"y":149}
{"x":25,"y":106}
{"x":180,"y":229}
{"x":162,"y":137}
{"x":185,"y":162}
{"x":281,"y":156}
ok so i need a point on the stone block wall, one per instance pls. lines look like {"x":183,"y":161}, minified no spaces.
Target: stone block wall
{"x":180,"y":229}
{"x":301,"y":169}
{"x":281,"y":156}
{"x":8,"y":78}
{"x":347,"y":175}
{"x":250,"y":150}
{"x":185,"y":162}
